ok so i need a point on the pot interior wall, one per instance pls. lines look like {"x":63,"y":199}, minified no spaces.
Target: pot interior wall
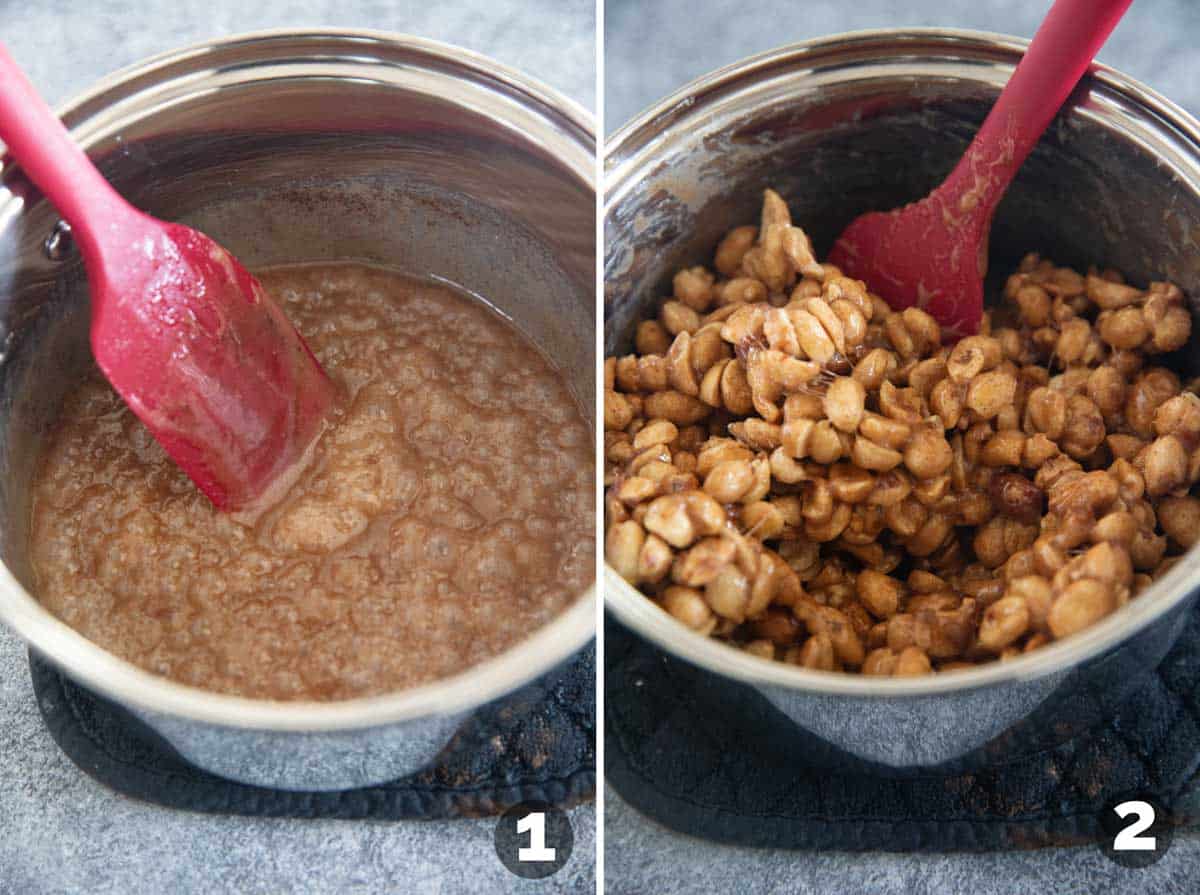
{"x":1092,"y":192}
{"x":294,"y":171}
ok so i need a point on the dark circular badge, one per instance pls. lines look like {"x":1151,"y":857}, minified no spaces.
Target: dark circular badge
{"x":534,"y":840}
{"x":1135,"y":830}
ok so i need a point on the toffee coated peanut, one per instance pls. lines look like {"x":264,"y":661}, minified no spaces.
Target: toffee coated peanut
{"x":1032,"y":477}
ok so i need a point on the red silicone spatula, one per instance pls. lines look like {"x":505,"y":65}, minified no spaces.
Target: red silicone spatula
{"x":182,"y":331}
{"x":933,"y":253}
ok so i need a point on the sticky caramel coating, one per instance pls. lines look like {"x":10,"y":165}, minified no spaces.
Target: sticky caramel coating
{"x":826,"y":483}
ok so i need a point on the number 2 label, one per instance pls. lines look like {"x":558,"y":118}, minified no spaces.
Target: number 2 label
{"x":1130,"y":838}
{"x":534,"y":824}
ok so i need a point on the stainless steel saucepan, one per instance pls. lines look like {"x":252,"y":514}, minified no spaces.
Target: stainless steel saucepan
{"x":308,"y":146}
{"x":872,"y":120}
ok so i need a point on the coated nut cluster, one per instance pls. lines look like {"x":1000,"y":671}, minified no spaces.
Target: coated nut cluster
{"x":795,"y":468}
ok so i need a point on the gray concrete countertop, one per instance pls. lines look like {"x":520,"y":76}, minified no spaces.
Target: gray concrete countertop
{"x":640,"y":856}
{"x":60,"y":832}
{"x":653,"y":47}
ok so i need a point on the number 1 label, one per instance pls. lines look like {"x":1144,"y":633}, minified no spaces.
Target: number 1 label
{"x":535,"y":825}
{"x":534,"y":840}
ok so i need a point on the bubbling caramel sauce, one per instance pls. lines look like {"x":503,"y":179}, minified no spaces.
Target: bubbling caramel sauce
{"x":445,"y":515}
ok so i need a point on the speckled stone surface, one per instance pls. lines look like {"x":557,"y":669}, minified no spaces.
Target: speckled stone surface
{"x":653,"y":47}
{"x":641,"y":857}
{"x":60,"y":831}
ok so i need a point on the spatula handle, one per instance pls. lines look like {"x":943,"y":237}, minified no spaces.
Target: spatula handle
{"x":1061,"y":51}
{"x":45,"y":151}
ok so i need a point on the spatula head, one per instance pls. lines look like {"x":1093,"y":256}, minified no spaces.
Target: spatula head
{"x":205,"y":359}
{"x":924,"y":255}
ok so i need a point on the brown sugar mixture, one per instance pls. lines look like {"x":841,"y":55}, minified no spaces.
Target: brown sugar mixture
{"x":446,"y":514}
{"x":798,"y":470}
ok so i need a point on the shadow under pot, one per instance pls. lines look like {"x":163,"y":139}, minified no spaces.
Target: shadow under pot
{"x":873,"y":120}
